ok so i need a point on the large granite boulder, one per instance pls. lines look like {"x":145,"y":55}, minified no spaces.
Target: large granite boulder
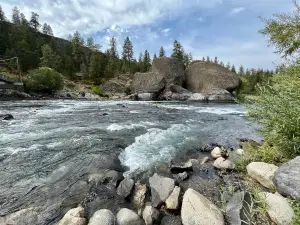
{"x":287,"y":179}
{"x":118,"y":84}
{"x":203,"y":77}
{"x":164,"y":72}
{"x":198,"y":210}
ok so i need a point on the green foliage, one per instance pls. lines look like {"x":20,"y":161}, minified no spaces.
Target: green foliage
{"x":97,"y":67}
{"x":2,"y":15}
{"x":277,"y":108}
{"x":283,"y":31}
{"x":34,"y":21}
{"x":178,"y":51}
{"x":296,"y":207}
{"x":233,"y":69}
{"x":49,"y":58}
{"x":162,"y":52}
{"x":44,"y":80}
{"x":16,"y":16}
{"x":97,"y":90}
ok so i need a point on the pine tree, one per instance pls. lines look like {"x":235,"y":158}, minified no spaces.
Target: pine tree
{"x":228,"y":66}
{"x":34,"y":21}
{"x":162,"y":52}
{"x":49,"y":58}
{"x":127,"y":54}
{"x":16,"y":15}
{"x":207,"y":59}
{"x":241,"y":71}
{"x":154,"y":56}
{"x":178,"y":51}
{"x":97,"y":67}
{"x":2,"y":15}
{"x":45,"y":28}
{"x":233,"y":69}
{"x":113,"y":52}
{"x":91,"y":45}
{"x":50,"y":31}
{"x":146,"y":61}
{"x":187,"y":59}
{"x":141,"y":57}
{"x":216,"y":60}
{"x":77,"y":54}
{"x":190,"y":58}
{"x":203,"y":59}
{"x":222,"y":64}
{"x":23,"y":20}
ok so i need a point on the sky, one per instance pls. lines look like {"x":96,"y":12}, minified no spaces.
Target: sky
{"x":227,"y":29}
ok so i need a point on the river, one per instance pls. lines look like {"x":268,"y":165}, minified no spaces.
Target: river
{"x":51,"y":147}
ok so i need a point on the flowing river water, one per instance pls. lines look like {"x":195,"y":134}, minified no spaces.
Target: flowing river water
{"x":51,"y":147}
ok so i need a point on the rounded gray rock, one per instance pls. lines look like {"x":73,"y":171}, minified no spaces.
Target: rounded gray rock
{"x":125,"y":187}
{"x":128,"y":217}
{"x":103,"y":217}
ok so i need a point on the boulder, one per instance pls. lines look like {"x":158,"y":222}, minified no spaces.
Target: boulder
{"x":6,"y":117}
{"x":13,"y":94}
{"x":221,"y":163}
{"x":202,"y":77}
{"x":287,"y":179}
{"x":150,"y":215}
{"x":180,"y":177}
{"x":188,"y":166}
{"x":171,"y":220}
{"x":179,"y":90}
{"x":74,"y":217}
{"x":237,"y":208}
{"x":128,"y":217}
{"x":219,"y":95}
{"x":118,"y":84}
{"x":139,"y":195}
{"x":146,"y":97}
{"x":164,"y":72}
{"x":262,"y":172}
{"x":103,"y":217}
{"x":278,"y":208}
{"x":172,"y":202}
{"x":27,"y":216}
{"x":216,"y":153}
{"x":198,"y":97}
{"x":161,"y":188}
{"x":125,"y":187}
{"x":106,"y":176}
{"x":198,"y":210}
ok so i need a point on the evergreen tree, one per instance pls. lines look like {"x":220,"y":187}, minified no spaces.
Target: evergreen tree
{"x":127,"y":54}
{"x":178,"y":51}
{"x":141,"y":57}
{"x":49,"y":58}
{"x":84,"y":70}
{"x":162,"y":52}
{"x":2,"y":15}
{"x":146,"y":61}
{"x":23,"y":20}
{"x":154,"y":56}
{"x":248,"y":72}
{"x":91,"y":45}
{"x":34,"y":21}
{"x":97,"y":66}
{"x":113,"y":52}
{"x":50,"y":31}
{"x":187,"y":59}
{"x":207,"y":59}
{"x":77,"y":52}
{"x":241,"y":71}
{"x":190,"y":58}
{"x":222,"y":64}
{"x":233,"y":69}
{"x":216,"y":60}
{"x":203,"y":59}
{"x":228,"y":66}
{"x":45,"y":28}
{"x":16,"y":15}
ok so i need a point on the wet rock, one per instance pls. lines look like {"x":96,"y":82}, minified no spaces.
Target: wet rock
{"x":74,"y":217}
{"x":125,"y":187}
{"x":171,"y":220}
{"x":103,"y":217}
{"x":188,"y":166}
{"x":262,"y":172}
{"x":128,"y":217}
{"x":139,"y":195}
{"x":23,"y":217}
{"x":121,"y":105}
{"x":216,"y":153}
{"x":204,"y":160}
{"x":172,"y":202}
{"x":222,"y":163}
{"x":106,"y":176}
{"x":278,"y":208}
{"x":197,"y":209}
{"x":161,"y":188}
{"x":198,"y":97}
{"x":220,"y":95}
{"x":150,"y":215}
{"x":287,"y":179}
{"x":146,"y":96}
{"x":237,"y":208}
{"x":180,"y":177}
{"x":105,"y":114}
{"x":6,"y":117}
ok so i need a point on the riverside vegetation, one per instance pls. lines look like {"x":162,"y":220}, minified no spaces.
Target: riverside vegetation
{"x":272,"y":167}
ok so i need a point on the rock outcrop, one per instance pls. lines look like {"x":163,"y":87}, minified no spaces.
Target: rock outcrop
{"x":287,"y":179}
{"x":118,"y":84}
{"x":198,"y":210}
{"x":262,"y":172}
{"x":203,"y":77}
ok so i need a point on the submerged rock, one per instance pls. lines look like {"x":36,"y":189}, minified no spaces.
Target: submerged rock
{"x":74,"y":217}
{"x":161,"y":188}
{"x":103,"y":217}
{"x":128,"y":217}
{"x":287,"y":179}
{"x":262,"y":172}
{"x":198,"y":210}
{"x":125,"y":187}
{"x":278,"y":208}
{"x":150,"y":215}
{"x":6,"y":117}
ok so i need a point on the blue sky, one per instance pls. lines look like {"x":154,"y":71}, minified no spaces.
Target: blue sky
{"x":227,"y":29}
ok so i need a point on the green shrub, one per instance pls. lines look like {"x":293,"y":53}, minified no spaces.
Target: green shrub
{"x":296,"y":207}
{"x":45,"y":80}
{"x":277,"y":108}
{"x":97,"y":90}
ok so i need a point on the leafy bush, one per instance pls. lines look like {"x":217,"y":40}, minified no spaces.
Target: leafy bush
{"x":277,"y":108}
{"x":97,"y":90}
{"x":45,"y":80}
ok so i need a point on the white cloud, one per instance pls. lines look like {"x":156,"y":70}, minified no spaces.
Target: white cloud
{"x":237,"y":10}
{"x":166,"y":30}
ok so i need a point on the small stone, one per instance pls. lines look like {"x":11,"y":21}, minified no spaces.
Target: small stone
{"x":172,"y":203}
{"x":125,"y":187}
{"x":180,"y":177}
{"x":150,"y":215}
{"x":139,"y":195}
{"x":7,"y":117}
{"x":216,"y":153}
{"x":278,"y":208}
{"x":128,"y":217}
{"x":161,"y":188}
{"x":103,"y":217}
{"x":204,"y":160}
{"x":222,"y":163}
{"x":240,"y":151}
{"x":262,"y":172}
